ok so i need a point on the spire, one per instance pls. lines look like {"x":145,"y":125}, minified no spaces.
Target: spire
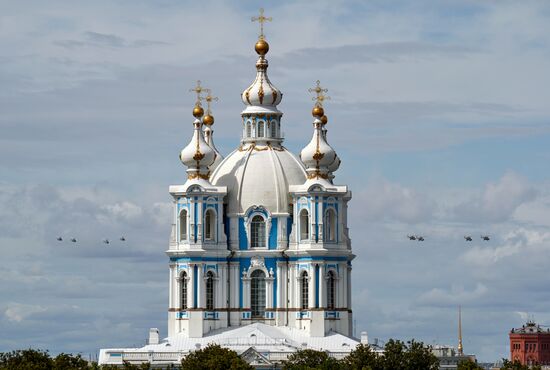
{"x":318,"y":156}
{"x":208,"y":121}
{"x":197,"y":155}
{"x":460,"y":348}
{"x":261,"y":96}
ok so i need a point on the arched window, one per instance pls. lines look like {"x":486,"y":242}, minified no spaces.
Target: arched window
{"x":330,"y":225}
{"x":257,"y":293}
{"x":209,"y":225}
{"x":304,"y":296}
{"x":257,"y":232}
{"x":331,"y":290}
{"x":209,"y":290}
{"x":183,"y":225}
{"x":273,"y":128}
{"x":248,"y":129}
{"x":260,"y":129}
{"x":183,"y":282}
{"x":304,"y":225}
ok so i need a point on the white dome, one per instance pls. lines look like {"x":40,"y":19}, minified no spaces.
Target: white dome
{"x":259,"y":176}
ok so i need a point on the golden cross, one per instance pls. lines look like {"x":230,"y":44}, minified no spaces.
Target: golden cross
{"x":262,"y":19}
{"x":209,"y":99}
{"x":198,"y":90}
{"x":320,"y":96}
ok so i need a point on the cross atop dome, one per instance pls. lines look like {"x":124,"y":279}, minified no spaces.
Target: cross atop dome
{"x":198,"y":90}
{"x":261,"y":19}
{"x":319,"y":91}
{"x":209,"y":99}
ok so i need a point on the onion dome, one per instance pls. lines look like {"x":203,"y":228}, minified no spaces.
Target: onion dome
{"x":318,"y":156}
{"x":208,"y":122}
{"x":261,"y":96}
{"x":197,"y":155}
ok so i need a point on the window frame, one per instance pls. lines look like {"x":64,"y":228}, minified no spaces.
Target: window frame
{"x":210,"y":291}
{"x":258,"y":294}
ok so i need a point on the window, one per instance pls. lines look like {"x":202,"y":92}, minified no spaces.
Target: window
{"x":273,"y":128}
{"x":248,"y":129}
{"x":209,"y":290}
{"x":209,"y":225}
{"x":304,"y":296}
{"x":260,"y":129}
{"x":331,"y":290}
{"x":183,"y":225}
{"x":330,"y":225}
{"x":183,"y":282}
{"x":304,"y":225}
{"x":257,"y":293}
{"x":257,"y":231}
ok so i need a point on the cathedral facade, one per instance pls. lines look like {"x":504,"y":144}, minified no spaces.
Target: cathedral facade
{"x":259,"y":246}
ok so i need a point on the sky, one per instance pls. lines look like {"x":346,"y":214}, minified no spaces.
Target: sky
{"x":439,"y":111}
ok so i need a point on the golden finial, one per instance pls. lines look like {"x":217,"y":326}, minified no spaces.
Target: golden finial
{"x":319,"y":91}
{"x":262,"y":19}
{"x":208,"y":119}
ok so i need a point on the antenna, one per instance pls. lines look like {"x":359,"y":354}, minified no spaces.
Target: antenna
{"x":460,"y":348}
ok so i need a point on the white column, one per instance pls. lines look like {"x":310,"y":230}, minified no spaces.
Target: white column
{"x":269,"y":293}
{"x":234,"y":285}
{"x":322,"y":286}
{"x":171,"y":288}
{"x":320,"y":220}
{"x":191,"y":287}
{"x":349,"y":287}
{"x":312,"y":233}
{"x":280,"y":285}
{"x":200,"y":287}
{"x":341,"y":286}
{"x":311,"y":287}
{"x":345,"y":287}
{"x":199,"y":220}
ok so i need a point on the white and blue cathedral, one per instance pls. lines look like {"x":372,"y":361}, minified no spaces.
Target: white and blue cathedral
{"x":259,"y":253}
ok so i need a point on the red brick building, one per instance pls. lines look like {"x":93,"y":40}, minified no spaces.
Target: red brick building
{"x":530,"y":345}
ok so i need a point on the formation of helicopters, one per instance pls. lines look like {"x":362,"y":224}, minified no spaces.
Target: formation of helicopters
{"x":468,"y":238}
{"x":104,"y":241}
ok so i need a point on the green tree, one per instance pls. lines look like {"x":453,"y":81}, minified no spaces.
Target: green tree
{"x":64,"y":361}
{"x":363,"y":357}
{"x":309,"y":359}
{"x":394,"y":355}
{"x":214,"y":357}
{"x":516,"y":365}
{"x":419,"y":356}
{"x":27,"y":359}
{"x":468,"y":365}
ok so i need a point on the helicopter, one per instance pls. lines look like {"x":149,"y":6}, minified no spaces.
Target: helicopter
{"x":59,"y":239}
{"x":122,"y":239}
{"x":420,"y":238}
{"x":106,"y":241}
{"x":485,"y":237}
{"x":73,"y":240}
{"x":411,"y":237}
{"x":468,"y":238}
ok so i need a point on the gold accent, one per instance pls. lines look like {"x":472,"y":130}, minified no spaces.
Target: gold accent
{"x":208,"y":120}
{"x":262,"y":19}
{"x":317,"y":174}
{"x":198,"y":156}
{"x":319,"y":91}
{"x":324,"y":120}
{"x":198,"y":111}
{"x":317,"y":111}
{"x":274,"y":96}
{"x":318,"y":155}
{"x":198,"y":90}
{"x":198,"y":175}
{"x":261,"y":47}
{"x":247,"y":96}
{"x":209,"y":99}
{"x":261,"y":92}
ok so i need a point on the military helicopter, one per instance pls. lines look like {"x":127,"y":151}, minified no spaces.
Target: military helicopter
{"x":485,"y":237}
{"x":59,"y":239}
{"x":420,"y":238}
{"x":73,"y":240}
{"x":468,"y":238}
{"x":411,"y":237}
{"x":106,"y":241}
{"x":122,"y":239}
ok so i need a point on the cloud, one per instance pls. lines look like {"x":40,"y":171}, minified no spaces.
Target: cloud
{"x":18,"y":311}
{"x":384,"y":200}
{"x":105,"y":40}
{"x":456,"y":295}
{"x":498,"y":201}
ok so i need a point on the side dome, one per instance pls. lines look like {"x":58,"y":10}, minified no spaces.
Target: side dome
{"x":259,"y":176}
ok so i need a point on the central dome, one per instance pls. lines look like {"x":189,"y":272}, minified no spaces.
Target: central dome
{"x":259,"y":176}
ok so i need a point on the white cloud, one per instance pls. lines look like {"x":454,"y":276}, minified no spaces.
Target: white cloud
{"x":498,"y":201}
{"x":19,"y":311}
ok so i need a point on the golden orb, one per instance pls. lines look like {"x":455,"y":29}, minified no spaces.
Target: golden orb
{"x":262,"y":47}
{"x":208,"y":120}
{"x":198,"y":111}
{"x":324,"y":120}
{"x":318,"y":111}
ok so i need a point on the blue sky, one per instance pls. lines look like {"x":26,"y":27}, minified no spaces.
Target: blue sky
{"x":439,"y":112}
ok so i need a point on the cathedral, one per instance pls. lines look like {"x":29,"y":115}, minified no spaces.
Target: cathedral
{"x":259,"y":252}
